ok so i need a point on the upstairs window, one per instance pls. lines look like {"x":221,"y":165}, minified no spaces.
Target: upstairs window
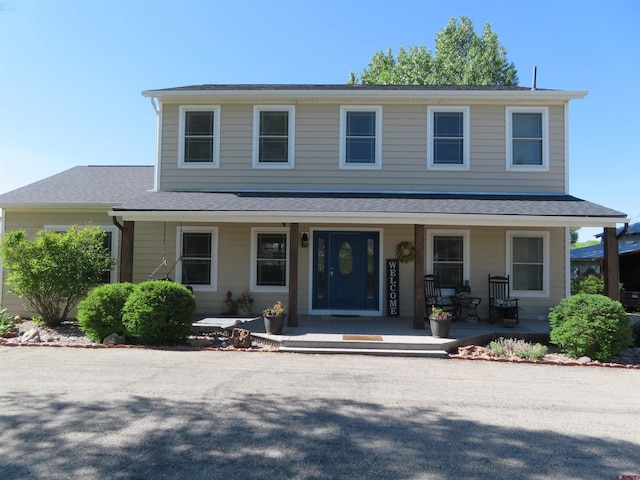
{"x":199,"y":136}
{"x":273,"y":136}
{"x":527,"y":138}
{"x":360,"y":137}
{"x":448,"y":138}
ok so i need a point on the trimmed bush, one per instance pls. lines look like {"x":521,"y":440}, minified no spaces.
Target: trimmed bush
{"x":100,"y":314}
{"x":159,"y":311}
{"x":590,"y":325}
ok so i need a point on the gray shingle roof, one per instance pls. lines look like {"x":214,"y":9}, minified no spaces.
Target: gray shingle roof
{"x":384,"y":203}
{"x":107,"y":185}
{"x":341,"y":87}
{"x":594,"y":252}
{"x":127,"y":188}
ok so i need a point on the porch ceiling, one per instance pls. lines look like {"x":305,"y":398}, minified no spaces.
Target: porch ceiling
{"x":364,"y":208}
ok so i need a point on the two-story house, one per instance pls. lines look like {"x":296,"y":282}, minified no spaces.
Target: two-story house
{"x":300,"y":193}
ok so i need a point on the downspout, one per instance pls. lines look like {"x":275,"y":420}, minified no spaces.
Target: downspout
{"x":158,"y":110}
{"x":117,"y":224}
{"x":623,"y":232}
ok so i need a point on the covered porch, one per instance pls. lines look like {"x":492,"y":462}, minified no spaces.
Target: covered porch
{"x":483,"y":221}
{"x":318,"y":334}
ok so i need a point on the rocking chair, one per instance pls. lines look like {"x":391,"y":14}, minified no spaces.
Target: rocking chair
{"x":501,"y":305}
{"x":433,"y":297}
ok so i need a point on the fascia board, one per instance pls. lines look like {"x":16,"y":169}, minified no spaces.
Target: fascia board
{"x":369,"y":95}
{"x":367,"y":218}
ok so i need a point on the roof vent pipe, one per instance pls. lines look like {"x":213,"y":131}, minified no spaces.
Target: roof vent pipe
{"x":535,"y":74}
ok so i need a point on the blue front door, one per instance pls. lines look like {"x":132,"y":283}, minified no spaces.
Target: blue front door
{"x":346,"y":271}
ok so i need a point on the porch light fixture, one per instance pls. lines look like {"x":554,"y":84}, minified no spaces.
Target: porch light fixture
{"x":304,"y":240}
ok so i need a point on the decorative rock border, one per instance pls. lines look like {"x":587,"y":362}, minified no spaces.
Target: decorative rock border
{"x":570,"y":363}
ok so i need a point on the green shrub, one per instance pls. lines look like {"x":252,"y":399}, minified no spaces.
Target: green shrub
{"x":54,"y":270}
{"x":100,"y":314}
{"x":592,"y":284}
{"x":159,"y":312}
{"x":590,"y":325}
{"x":7,"y":324}
{"x":511,"y":347}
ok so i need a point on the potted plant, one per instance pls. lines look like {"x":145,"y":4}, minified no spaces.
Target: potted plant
{"x":274,"y":318}
{"x":440,"y":322}
{"x":243,"y":304}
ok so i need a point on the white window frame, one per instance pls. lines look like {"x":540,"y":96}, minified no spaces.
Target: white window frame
{"x":115,"y":243}
{"x":509,"y":111}
{"x":254,"y":260}
{"x":213,"y":281}
{"x":466,"y":245}
{"x":215,"y":161}
{"x":344,"y":109}
{"x":511,"y":234}
{"x":466,"y":137}
{"x":257,"y":109}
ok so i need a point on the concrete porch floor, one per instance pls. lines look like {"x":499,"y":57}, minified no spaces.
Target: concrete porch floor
{"x":379,"y":335}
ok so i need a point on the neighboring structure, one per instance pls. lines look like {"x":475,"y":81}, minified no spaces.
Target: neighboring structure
{"x":301,"y":192}
{"x":590,"y":259}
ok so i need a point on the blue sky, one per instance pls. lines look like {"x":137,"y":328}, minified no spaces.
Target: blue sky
{"x":71,"y":71}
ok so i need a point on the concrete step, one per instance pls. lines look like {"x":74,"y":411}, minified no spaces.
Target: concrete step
{"x":436,"y":344}
{"x":366,"y":351}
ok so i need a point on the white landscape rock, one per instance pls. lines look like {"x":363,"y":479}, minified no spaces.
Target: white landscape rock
{"x":31,"y":336}
{"x":114,"y":339}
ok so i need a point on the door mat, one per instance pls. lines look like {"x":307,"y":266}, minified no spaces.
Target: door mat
{"x":370,"y":338}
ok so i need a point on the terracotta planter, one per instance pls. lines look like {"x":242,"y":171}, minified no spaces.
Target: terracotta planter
{"x":440,"y":327}
{"x":273,"y":324}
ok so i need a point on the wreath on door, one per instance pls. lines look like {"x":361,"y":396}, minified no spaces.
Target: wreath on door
{"x":405,"y":252}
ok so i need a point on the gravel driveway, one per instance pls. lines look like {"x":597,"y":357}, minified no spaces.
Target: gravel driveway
{"x":133,"y":413}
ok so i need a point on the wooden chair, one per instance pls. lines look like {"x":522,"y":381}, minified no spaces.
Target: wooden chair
{"x":433,"y":296}
{"x":501,"y":305}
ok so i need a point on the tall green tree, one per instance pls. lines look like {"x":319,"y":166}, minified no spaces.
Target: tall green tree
{"x":573,"y":232}
{"x":462,"y":57}
{"x":54,"y":270}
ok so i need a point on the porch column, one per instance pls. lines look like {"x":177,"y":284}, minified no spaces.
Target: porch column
{"x":126,"y":252}
{"x":292,"y":314}
{"x":611,"y":264}
{"x":418,"y":278}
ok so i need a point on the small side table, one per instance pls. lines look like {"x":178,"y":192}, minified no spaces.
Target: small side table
{"x":470,"y":304}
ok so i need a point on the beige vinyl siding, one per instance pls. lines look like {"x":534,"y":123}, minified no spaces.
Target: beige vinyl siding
{"x":404,"y":156}
{"x":488,"y":256}
{"x":391,"y":236}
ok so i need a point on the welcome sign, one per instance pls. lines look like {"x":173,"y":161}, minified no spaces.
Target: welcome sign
{"x":393,"y":303}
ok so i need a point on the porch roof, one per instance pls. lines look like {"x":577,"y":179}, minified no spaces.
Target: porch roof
{"x":355,"y":207}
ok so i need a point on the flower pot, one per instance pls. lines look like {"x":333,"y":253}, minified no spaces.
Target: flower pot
{"x":273,"y":324}
{"x":440,"y":327}
{"x":509,"y":322}
{"x":244,"y":309}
